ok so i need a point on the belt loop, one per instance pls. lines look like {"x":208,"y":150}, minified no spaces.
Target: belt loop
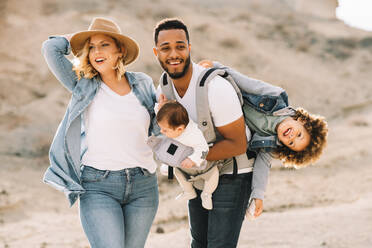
{"x":106,"y":174}
{"x":145,"y":172}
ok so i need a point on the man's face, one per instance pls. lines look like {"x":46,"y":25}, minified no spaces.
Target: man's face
{"x":173,"y":52}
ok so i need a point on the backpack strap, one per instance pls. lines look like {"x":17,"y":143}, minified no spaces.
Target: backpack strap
{"x":205,"y":122}
{"x":166,"y":87}
{"x":167,"y":90}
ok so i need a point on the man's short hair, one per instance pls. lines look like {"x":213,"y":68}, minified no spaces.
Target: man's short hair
{"x":318,"y":130}
{"x":168,"y":24}
{"x":174,"y":113}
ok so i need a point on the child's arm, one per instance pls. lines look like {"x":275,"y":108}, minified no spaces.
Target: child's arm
{"x":261,"y":168}
{"x":194,"y":138}
{"x":200,"y":152}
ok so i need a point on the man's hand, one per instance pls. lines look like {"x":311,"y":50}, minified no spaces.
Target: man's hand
{"x":187,"y":163}
{"x":206,"y":63}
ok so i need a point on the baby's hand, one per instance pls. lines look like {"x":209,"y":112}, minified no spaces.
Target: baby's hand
{"x":187,"y":163}
{"x":206,"y":63}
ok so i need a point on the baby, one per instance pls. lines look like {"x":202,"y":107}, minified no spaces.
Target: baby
{"x":175,"y":123}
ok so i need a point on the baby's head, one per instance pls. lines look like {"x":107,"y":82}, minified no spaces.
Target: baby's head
{"x":304,"y":137}
{"x":172,"y":119}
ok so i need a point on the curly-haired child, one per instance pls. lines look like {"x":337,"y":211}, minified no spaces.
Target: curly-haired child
{"x":294,"y":136}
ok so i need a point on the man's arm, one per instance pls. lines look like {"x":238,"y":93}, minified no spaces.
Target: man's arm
{"x":234,"y":142}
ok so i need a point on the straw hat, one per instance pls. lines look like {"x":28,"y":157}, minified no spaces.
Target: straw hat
{"x":105,"y":26}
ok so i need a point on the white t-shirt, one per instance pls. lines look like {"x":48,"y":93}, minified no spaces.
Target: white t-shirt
{"x":223,"y":112}
{"x":116,"y":132}
{"x":223,"y":101}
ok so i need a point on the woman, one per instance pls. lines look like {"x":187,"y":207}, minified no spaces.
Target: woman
{"x":99,"y":151}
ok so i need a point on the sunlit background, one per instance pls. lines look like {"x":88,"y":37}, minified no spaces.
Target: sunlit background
{"x":356,"y":13}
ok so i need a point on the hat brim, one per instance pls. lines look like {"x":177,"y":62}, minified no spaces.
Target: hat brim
{"x":131,"y":52}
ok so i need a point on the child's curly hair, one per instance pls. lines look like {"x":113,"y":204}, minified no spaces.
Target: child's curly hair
{"x":318,"y":130}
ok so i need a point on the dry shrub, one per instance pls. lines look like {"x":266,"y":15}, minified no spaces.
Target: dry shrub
{"x":242,"y":17}
{"x":230,"y":43}
{"x":202,"y":28}
{"x":163,"y":13}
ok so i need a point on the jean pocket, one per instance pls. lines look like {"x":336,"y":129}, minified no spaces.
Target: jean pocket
{"x":227,"y":194}
{"x":90,"y":175}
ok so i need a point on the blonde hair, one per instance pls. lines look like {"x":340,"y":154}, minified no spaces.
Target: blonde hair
{"x":318,"y":130}
{"x":86,"y":70}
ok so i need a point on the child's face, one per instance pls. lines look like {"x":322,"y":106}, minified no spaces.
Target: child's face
{"x":293,"y":134}
{"x":170,"y":132}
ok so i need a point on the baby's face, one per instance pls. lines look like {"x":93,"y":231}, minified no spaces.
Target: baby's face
{"x":293,"y":134}
{"x":168,"y":131}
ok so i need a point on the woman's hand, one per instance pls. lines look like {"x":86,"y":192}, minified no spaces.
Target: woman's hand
{"x":162,"y":99}
{"x":67,"y":36}
{"x":206,"y":63}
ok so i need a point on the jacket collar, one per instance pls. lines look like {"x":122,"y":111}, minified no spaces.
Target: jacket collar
{"x":131,"y":79}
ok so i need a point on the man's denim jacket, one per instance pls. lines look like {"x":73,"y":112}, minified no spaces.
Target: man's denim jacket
{"x":268,"y":99}
{"x":66,"y":151}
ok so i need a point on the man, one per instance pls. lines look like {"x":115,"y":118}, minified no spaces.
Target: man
{"x":221,"y":226}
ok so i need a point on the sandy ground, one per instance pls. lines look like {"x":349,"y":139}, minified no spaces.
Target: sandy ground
{"x":299,"y":45}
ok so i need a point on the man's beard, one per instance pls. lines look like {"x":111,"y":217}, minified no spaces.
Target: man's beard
{"x":177,"y":75}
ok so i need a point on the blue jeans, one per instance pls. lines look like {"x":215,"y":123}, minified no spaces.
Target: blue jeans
{"x":220,"y":227}
{"x":118,"y":207}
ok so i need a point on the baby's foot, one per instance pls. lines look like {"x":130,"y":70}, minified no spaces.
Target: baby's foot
{"x":206,"y":200}
{"x":186,"y":195}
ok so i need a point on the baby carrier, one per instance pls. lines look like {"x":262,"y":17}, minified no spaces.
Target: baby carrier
{"x":248,"y":91}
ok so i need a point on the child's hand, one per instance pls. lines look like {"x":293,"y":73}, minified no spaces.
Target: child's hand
{"x":259,"y":207}
{"x":206,"y":63}
{"x":254,"y":209}
{"x":187,"y":163}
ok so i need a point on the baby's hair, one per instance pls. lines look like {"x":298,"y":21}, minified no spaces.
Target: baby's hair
{"x":318,"y":130}
{"x":174,"y":113}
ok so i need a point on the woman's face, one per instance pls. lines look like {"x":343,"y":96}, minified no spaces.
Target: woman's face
{"x":103,"y":53}
{"x":293,"y":134}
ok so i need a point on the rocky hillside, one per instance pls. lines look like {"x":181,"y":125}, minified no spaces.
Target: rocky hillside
{"x":296,"y":44}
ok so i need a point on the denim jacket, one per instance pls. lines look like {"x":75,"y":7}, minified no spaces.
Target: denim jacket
{"x":65,"y":152}
{"x":268,"y":99}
